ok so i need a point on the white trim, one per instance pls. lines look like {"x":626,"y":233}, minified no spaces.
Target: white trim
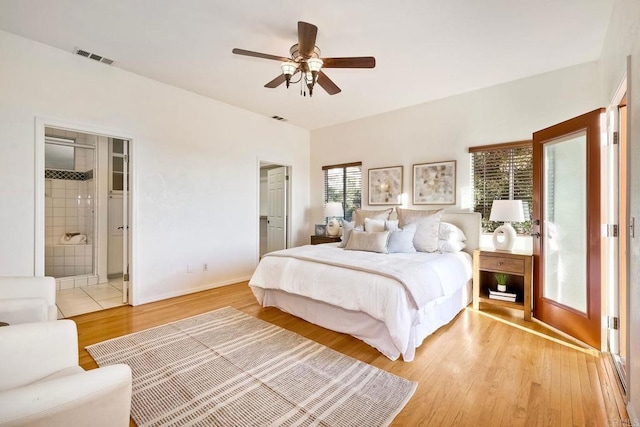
{"x":39,"y":233}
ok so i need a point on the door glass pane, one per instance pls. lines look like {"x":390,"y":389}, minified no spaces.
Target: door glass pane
{"x":565,"y":221}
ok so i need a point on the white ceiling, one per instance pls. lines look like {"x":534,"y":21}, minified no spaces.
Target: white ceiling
{"x":425,"y":49}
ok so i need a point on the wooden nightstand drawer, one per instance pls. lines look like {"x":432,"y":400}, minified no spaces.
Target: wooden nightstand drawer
{"x":317,"y":240}
{"x":502,"y":264}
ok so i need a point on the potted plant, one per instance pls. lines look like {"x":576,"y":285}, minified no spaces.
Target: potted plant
{"x":501,"y":280}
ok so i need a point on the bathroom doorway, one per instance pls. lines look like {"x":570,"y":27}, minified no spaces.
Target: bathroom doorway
{"x":85,"y":216}
{"x":274,"y":207}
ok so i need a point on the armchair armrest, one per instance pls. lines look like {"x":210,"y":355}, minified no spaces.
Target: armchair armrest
{"x":29,"y":287}
{"x":99,"y":397}
{"x":32,"y":351}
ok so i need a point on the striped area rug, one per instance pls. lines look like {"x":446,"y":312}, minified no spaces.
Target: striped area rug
{"x":226,"y":368}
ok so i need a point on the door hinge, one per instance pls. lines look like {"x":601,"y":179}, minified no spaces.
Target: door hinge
{"x":609,"y":230}
{"x":286,"y":177}
{"x":125,"y":277}
{"x":611,"y":322}
{"x":616,"y":138}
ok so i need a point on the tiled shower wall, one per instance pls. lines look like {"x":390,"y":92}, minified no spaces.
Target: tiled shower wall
{"x":69,"y":199}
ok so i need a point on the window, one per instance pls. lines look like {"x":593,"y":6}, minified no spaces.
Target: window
{"x":343,"y":183}
{"x":502,"y":172}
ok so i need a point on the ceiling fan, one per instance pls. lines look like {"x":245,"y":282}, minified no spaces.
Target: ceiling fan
{"x":305,"y":59}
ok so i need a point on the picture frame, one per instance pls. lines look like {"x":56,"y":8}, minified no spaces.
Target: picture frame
{"x":386,"y":185}
{"x":320,"y":230}
{"x":434,"y":183}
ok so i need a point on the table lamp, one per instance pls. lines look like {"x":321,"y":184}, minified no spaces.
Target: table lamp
{"x":331,"y":211}
{"x":504,"y":237}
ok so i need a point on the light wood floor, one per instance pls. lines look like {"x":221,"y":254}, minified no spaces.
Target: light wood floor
{"x":476,"y":371}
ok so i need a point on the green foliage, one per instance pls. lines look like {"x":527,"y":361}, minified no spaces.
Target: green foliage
{"x":501,"y":278}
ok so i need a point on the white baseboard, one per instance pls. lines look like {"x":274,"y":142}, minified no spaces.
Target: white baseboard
{"x":193,"y":290}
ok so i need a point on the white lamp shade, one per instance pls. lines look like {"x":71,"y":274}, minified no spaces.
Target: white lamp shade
{"x":314,"y":64}
{"x":288,"y":68}
{"x":507,"y":211}
{"x":333,"y":209}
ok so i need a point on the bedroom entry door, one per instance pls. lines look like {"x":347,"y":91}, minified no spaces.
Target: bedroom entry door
{"x":567,"y":226}
{"x":277,"y":208}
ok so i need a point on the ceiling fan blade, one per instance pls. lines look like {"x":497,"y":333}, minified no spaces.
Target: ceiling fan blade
{"x":259,"y":55}
{"x":327,"y":84}
{"x":352,"y":62}
{"x":276,"y":82}
{"x":306,"y":38}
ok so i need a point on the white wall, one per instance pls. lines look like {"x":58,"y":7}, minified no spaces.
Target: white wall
{"x":623,"y":39}
{"x":195,"y":165}
{"x":444,"y":129}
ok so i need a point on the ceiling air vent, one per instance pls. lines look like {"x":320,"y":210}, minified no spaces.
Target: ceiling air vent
{"x":93,"y":56}
{"x":278,"y":118}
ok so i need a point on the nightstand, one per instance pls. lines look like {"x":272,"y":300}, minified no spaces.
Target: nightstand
{"x":519,"y":267}
{"x":316,"y":240}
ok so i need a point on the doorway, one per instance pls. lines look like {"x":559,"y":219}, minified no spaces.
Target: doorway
{"x":616,"y":271}
{"x":567,"y":227}
{"x":274,"y":207}
{"x":74,"y":174}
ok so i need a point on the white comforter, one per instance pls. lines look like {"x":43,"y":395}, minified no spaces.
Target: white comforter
{"x":392,"y":288}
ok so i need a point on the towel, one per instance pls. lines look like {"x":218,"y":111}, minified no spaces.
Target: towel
{"x":73,"y":239}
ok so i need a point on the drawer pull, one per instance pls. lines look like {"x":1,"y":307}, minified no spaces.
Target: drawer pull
{"x":500,"y":263}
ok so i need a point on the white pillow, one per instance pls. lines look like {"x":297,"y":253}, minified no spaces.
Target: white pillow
{"x":391,"y":225}
{"x":451,"y":245}
{"x":368,"y":241}
{"x":359,"y":215}
{"x":426,"y":238}
{"x":371,"y":224}
{"x":347,"y":227}
{"x":451,"y":232}
{"x":401,"y":240}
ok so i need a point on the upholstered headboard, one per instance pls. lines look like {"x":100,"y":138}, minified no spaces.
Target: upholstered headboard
{"x":470,"y":223}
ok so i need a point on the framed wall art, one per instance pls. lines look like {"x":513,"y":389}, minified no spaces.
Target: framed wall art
{"x":385,"y":186}
{"x":434,"y":183}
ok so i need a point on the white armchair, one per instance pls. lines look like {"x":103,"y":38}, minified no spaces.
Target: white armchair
{"x":27,"y":299}
{"x":41,"y":383}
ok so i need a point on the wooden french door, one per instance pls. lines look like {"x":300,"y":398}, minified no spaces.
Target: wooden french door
{"x":567,"y":227}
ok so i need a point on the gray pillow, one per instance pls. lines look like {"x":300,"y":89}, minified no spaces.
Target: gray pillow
{"x":401,"y":240}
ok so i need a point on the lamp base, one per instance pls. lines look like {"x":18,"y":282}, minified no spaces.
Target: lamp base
{"x":333,"y":228}
{"x":504,"y":238}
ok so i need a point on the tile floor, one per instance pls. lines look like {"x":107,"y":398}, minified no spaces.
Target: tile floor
{"x":85,"y":299}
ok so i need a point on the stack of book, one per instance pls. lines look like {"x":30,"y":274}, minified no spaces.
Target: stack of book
{"x":503,"y":296}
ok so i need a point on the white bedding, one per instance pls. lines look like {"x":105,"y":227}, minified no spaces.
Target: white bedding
{"x":395,"y":289}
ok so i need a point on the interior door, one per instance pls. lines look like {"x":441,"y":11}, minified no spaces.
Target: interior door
{"x":567,"y":232}
{"x":114,"y":246}
{"x":277,"y":211}
{"x":125,"y":224}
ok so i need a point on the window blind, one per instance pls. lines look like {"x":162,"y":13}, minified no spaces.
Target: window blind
{"x":343,"y":183}
{"x":502,"y":172}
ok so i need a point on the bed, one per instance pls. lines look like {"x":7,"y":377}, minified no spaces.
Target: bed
{"x":390,"y":301}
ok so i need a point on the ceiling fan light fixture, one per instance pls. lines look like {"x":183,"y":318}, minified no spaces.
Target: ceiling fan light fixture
{"x":288,"y":68}
{"x":306,"y":60}
{"x":315,"y":64}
